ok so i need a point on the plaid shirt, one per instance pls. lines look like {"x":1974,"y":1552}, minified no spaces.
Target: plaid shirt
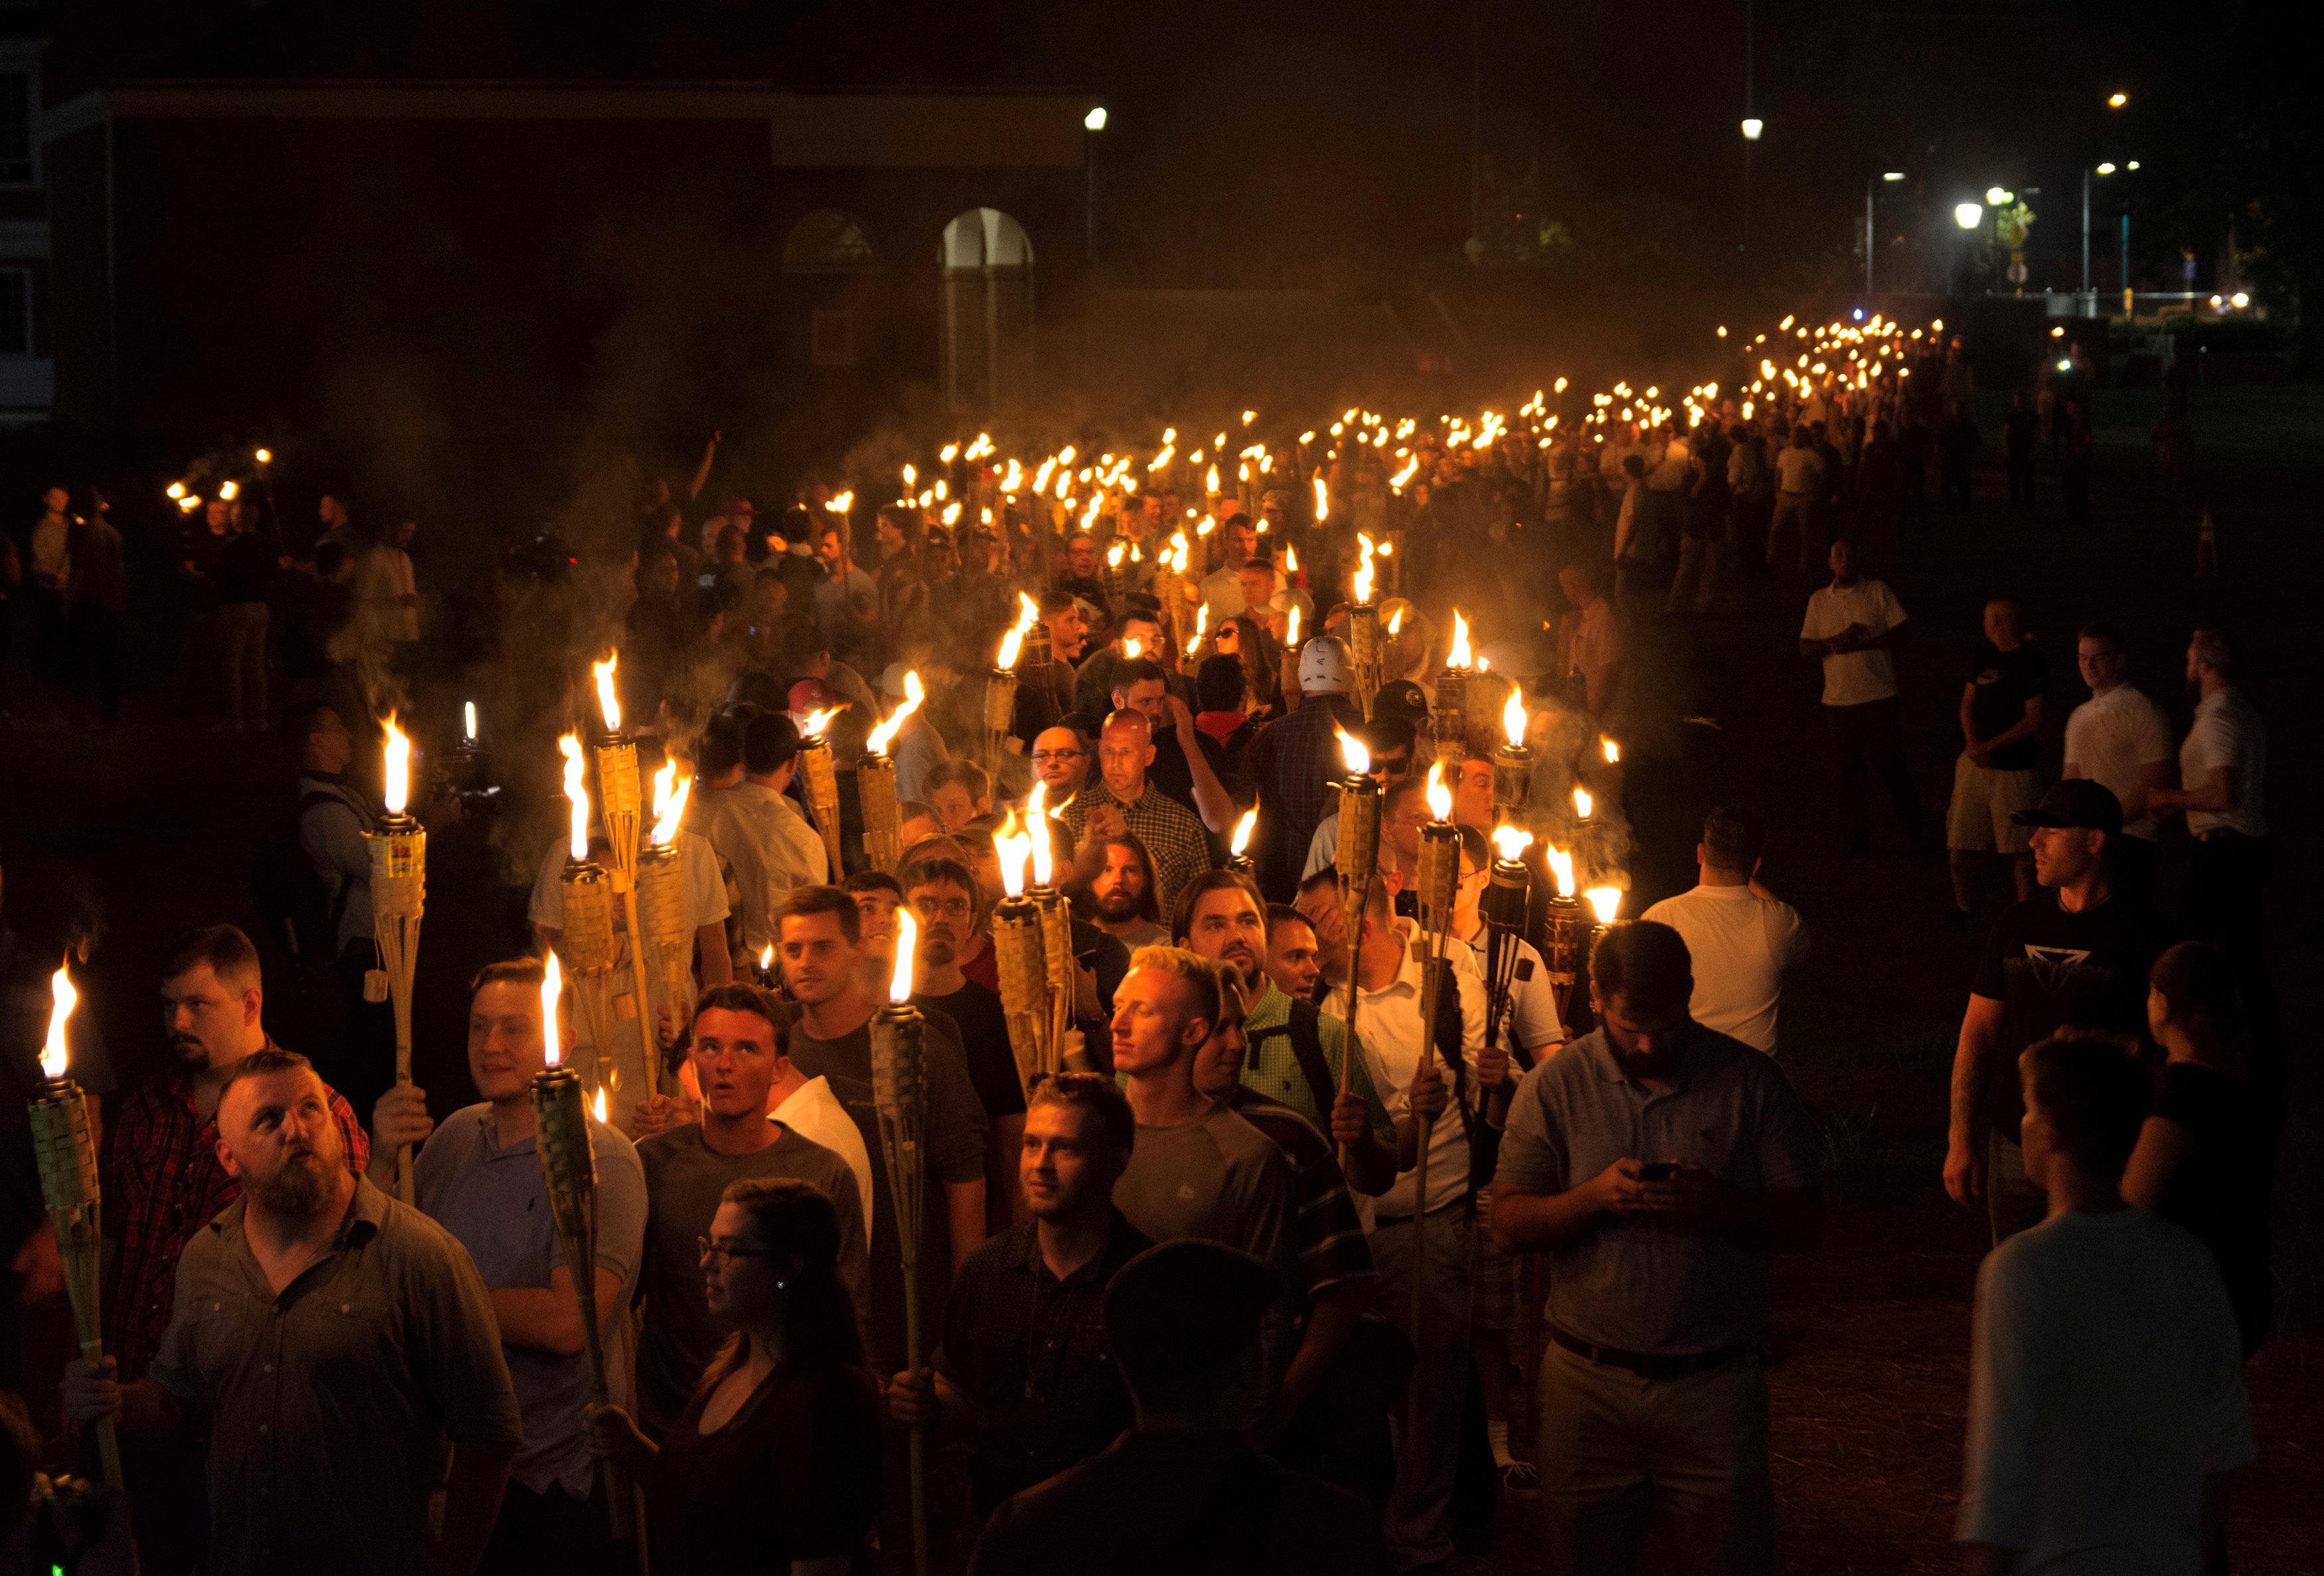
{"x":1271,"y":1067}
{"x":1332,"y":1244}
{"x":1181,"y":849}
{"x":162,"y":1173}
{"x":1293,"y":765}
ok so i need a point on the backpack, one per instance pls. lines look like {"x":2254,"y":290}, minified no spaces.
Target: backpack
{"x":296,"y":903}
{"x":1303,"y":1029}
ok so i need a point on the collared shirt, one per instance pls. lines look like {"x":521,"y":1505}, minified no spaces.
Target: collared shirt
{"x":1272,"y":1067}
{"x":162,"y":1175}
{"x":1031,"y":1352}
{"x":1634,"y":1283}
{"x":328,"y":1403}
{"x":2112,"y":737}
{"x":1169,"y":830}
{"x":759,"y":833}
{"x":1741,"y":944}
{"x":2228,"y":732}
{"x":813,"y":1112}
{"x":1327,"y":1232}
{"x":1534,"y":1023}
{"x":1393,"y":1034}
{"x":495,"y":1200}
{"x":1296,"y":765}
{"x":698,"y":877}
{"x":1854,"y":677}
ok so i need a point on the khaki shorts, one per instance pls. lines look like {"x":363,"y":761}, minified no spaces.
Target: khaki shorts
{"x":1984,"y":798}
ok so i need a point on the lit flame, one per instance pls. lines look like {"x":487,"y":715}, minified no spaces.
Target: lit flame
{"x":1440,"y":796}
{"x":229,"y":490}
{"x":265,"y":457}
{"x":576,"y":793}
{"x":1210,"y":481}
{"x":1353,"y":751}
{"x":1560,"y":868}
{"x":1607,"y":901}
{"x":552,"y":986}
{"x":883,"y":735}
{"x":1323,"y":501}
{"x":1581,"y":804}
{"x":1510,"y":842}
{"x":1362,"y":578}
{"x":176,"y":490}
{"x":1013,"y":847}
{"x":671,"y":791}
{"x":1132,"y":648}
{"x":1241,"y":842}
{"x":842,"y":502}
{"x":1291,"y":629}
{"x":1613,"y":751}
{"x":469,"y":719}
{"x":1396,"y":621}
{"x":1290,"y":560}
{"x":1010,"y":645}
{"x":399,"y":767}
{"x":1036,"y":830}
{"x":1202,"y":628}
{"x":608,"y":703}
{"x":1028,"y":612}
{"x":908,"y":942}
{"x":819,"y":720}
{"x":1460,"y":655}
{"x":597,"y":1105}
{"x":61,"y":997}
{"x":766,"y":959}
{"x":1114,"y":553}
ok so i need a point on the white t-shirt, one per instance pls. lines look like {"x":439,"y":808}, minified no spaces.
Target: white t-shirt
{"x":1800,"y":470}
{"x":697,"y":868}
{"x":1854,"y":677}
{"x":813,"y":1112}
{"x":1741,"y":944}
{"x":2106,"y":1383}
{"x":2226,"y":731}
{"x":1533,"y":1023}
{"x":2112,"y":737}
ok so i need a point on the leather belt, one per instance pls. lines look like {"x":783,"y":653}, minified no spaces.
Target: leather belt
{"x":1650,"y":1365}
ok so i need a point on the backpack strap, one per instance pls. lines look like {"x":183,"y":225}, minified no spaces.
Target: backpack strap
{"x":337,"y":909}
{"x":1303,"y":1029}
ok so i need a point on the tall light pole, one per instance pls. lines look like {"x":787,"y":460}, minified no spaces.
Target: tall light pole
{"x":1870,"y":184}
{"x":1091,"y":124}
{"x":1752,"y":124}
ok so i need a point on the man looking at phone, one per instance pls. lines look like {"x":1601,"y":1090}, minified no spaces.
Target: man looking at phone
{"x":1657,"y":1162}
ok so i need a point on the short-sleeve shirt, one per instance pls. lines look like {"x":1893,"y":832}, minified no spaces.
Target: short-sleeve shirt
{"x":976,"y":1012}
{"x":1854,"y":677}
{"x":494,"y":1201}
{"x":2051,"y":970}
{"x":2002,"y":683}
{"x":1741,"y":944}
{"x":699,"y":875}
{"x":1632,"y":1284}
{"x":1533,"y":1023}
{"x":2113,"y":738}
{"x":1272,"y":1066}
{"x":1800,"y":470}
{"x":2226,"y":731}
{"x":328,"y":1403}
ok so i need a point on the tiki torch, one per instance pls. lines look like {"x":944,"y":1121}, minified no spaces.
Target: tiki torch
{"x":661,"y":902}
{"x":875,"y":782}
{"x":1486,"y":696}
{"x":1512,"y":762}
{"x":1357,"y":860}
{"x":1239,"y":846}
{"x":1451,"y":712}
{"x":1364,"y":629}
{"x":620,"y":807}
{"x":822,"y":780}
{"x":1170,"y":588}
{"x":1438,"y":883}
{"x":399,"y":893}
{"x":588,"y":933}
{"x":1564,"y":936}
{"x":67,"y":1152}
{"x":1056,"y":928}
{"x":1290,"y":676}
{"x":1508,"y":897}
{"x":898,"y":1091}
{"x":1019,"y":957}
{"x":1000,"y":695}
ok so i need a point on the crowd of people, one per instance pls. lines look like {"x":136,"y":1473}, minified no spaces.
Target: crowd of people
{"x":1336,"y":1229}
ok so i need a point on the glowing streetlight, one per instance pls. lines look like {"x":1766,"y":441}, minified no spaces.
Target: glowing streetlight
{"x":1892,"y":175}
{"x":2116,"y":100}
{"x":1095,"y":119}
{"x":1969,"y":216}
{"x":2107,"y":168}
{"x":1996,"y":196}
{"x":1752,"y":127}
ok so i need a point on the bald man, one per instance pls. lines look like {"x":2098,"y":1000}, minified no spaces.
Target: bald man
{"x":1121,"y":799}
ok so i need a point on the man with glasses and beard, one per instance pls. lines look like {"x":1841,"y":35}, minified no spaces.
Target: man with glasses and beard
{"x":328,"y":1343}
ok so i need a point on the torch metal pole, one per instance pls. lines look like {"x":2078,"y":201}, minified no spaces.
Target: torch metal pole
{"x":67,"y":1152}
{"x":898,"y":1089}
{"x":398,"y":897}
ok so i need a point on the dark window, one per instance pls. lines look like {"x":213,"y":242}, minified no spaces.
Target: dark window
{"x":16,"y":127}
{"x":16,"y":311}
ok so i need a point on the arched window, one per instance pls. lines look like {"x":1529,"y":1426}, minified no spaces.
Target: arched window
{"x":986,"y":309}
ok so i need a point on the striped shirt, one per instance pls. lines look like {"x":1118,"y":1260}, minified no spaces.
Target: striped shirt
{"x":1326,"y":1231}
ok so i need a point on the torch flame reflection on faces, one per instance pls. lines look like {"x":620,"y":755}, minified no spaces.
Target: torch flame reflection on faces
{"x":576,"y":793}
{"x":1510,"y":842}
{"x":908,"y":941}
{"x":1241,"y":844}
{"x":397,"y":792}
{"x":61,"y":999}
{"x":552,"y":986}
{"x":608,"y":703}
{"x":1561,"y":869}
{"x":1606,"y":901}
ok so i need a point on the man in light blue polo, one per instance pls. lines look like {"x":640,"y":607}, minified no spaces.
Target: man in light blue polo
{"x":479,"y":1178}
{"x":1655,"y":1161}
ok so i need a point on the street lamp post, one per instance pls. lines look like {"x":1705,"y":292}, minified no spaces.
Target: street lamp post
{"x":1870,"y":184}
{"x":1091,"y":124}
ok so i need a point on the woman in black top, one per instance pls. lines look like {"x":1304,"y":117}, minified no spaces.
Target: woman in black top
{"x":775,"y":1467}
{"x":2201,"y":1160}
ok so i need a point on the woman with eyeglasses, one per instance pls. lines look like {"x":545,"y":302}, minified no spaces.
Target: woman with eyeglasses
{"x":776,"y":1464}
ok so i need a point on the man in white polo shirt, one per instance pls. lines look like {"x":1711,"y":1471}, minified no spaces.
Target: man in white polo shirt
{"x":2120,"y":738}
{"x":2223,"y":779}
{"x":1741,"y":936}
{"x":1851,"y":628}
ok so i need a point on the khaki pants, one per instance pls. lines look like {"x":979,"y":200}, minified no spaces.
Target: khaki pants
{"x":1616,"y":1448}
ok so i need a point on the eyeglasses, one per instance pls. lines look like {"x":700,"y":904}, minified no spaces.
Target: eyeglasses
{"x":1042,"y":755}
{"x":942,"y":907}
{"x":709,"y":1250}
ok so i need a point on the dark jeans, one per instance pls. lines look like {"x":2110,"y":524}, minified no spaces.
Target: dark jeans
{"x":553,"y":1531}
{"x":1865,"y":739}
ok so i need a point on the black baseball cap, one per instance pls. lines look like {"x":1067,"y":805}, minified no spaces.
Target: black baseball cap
{"x":1186,"y":1306}
{"x":2076,"y":802}
{"x":1401,"y":700}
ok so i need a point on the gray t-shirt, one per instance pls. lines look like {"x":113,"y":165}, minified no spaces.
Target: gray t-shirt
{"x":494,"y":1201}
{"x":1640,"y":1285}
{"x":1216,"y":1177}
{"x":326,"y":1404}
{"x":685,"y":1179}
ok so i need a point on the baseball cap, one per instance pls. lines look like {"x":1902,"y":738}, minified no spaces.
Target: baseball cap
{"x":809,"y":694}
{"x":2077,"y":801}
{"x":1401,"y":700}
{"x":891,"y":680}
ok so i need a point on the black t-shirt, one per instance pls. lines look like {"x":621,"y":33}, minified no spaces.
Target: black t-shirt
{"x":2053,"y":970}
{"x":2004,"y":682}
{"x":983,"y":1027}
{"x":2219,"y":1191}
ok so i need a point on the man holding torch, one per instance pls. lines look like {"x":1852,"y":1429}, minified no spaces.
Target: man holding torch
{"x":328,"y":1342}
{"x":480,"y":1179}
